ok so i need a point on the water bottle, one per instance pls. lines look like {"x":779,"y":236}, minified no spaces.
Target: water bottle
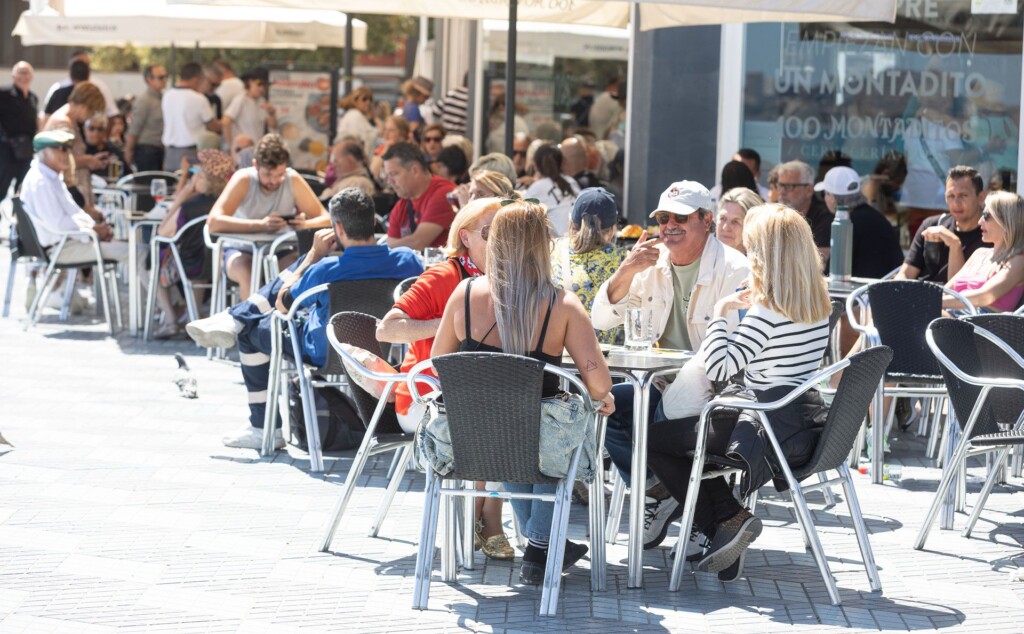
{"x":890,"y":472}
{"x":841,"y":258}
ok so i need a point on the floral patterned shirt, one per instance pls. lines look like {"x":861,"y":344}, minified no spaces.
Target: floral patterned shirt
{"x":584,"y":273}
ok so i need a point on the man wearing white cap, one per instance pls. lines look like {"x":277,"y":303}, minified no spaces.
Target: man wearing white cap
{"x":680,"y":276}
{"x":876,"y":245}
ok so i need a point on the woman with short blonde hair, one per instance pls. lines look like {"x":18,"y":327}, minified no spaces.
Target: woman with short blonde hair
{"x":777,"y":345}
{"x":732,"y":210}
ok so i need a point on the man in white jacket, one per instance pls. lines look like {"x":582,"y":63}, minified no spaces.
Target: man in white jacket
{"x":680,"y":276}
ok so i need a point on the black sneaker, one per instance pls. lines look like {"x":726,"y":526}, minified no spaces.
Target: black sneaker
{"x":535,"y":561}
{"x":733,"y":572}
{"x":730,"y":541}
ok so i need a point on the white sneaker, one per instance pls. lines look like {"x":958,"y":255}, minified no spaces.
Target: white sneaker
{"x":658,"y":515}
{"x":251,"y":438}
{"x":216,"y":331}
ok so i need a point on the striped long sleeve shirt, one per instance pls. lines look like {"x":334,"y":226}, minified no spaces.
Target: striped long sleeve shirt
{"x":770,"y":349}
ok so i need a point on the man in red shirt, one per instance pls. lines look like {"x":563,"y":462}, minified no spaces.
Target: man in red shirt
{"x":422,"y":215}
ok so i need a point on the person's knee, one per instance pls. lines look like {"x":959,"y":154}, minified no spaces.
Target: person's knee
{"x":239,"y":267}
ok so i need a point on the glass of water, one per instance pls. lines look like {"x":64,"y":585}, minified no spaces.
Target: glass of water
{"x":432,"y":256}
{"x":639,"y":329}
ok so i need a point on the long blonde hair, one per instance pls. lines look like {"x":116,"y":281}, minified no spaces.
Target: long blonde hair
{"x":519,"y":272}
{"x":1007,"y":209}
{"x":785,"y":269}
{"x":467,"y":216}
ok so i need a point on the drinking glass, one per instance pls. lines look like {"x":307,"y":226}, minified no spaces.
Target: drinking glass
{"x":639,"y":329}
{"x":158,"y":189}
{"x":432,"y":256}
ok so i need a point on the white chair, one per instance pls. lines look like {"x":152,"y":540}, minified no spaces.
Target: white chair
{"x":154,"y":274}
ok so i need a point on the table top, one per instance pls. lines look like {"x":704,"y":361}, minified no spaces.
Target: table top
{"x":621,"y":360}
{"x":844,"y":288}
{"x":256,"y":238}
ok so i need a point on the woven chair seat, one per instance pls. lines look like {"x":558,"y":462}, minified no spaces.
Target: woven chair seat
{"x":1001,"y":438}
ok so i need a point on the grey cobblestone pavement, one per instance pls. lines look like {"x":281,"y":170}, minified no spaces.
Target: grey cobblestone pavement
{"x":120,"y":510}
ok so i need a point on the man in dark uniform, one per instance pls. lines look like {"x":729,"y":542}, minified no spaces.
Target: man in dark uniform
{"x":18,"y":111}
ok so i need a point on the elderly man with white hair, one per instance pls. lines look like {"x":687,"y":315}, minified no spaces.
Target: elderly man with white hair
{"x":796,"y":190}
{"x":18,"y":108}
{"x":53,"y":211}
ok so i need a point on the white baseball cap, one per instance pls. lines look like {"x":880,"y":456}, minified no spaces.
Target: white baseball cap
{"x":839,"y":181}
{"x":684,"y":198}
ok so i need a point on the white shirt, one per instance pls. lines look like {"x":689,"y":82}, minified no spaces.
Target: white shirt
{"x":229,"y":89}
{"x":355,"y":124}
{"x":247,"y":117}
{"x":186,"y":113}
{"x":558,"y":204}
{"x":49,"y":202}
{"x":111,"y":104}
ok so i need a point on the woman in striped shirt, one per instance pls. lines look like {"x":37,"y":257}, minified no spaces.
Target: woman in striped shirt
{"x":777,"y":345}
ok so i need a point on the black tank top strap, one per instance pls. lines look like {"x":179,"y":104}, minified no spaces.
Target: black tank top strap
{"x":469,"y":287}
{"x":469,"y":332}
{"x":544,"y":326}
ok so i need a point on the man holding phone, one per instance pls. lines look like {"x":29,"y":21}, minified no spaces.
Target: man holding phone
{"x":268,"y":197}
{"x":679,"y":276}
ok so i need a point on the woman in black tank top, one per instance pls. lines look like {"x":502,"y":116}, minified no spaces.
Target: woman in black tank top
{"x":515,"y":293}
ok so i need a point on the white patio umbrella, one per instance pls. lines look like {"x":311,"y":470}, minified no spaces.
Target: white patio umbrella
{"x":157,"y":23}
{"x":653,"y":15}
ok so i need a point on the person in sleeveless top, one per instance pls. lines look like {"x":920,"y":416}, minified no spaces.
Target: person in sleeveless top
{"x":516,"y":309}
{"x":993,"y":278}
{"x":268,"y":197}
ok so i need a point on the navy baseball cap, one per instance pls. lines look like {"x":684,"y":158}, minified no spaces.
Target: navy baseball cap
{"x":598,"y":202}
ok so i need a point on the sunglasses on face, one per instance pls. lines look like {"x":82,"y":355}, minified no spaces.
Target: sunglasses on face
{"x":518,"y":152}
{"x":987,"y":216}
{"x":484,"y":231}
{"x":662,"y":217}
{"x":431,"y":139}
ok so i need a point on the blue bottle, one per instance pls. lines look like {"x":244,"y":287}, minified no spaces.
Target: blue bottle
{"x":841,"y":258}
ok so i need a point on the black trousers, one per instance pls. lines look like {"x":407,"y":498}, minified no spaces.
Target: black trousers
{"x":149,"y":158}
{"x":11,"y":170}
{"x":667,"y":445}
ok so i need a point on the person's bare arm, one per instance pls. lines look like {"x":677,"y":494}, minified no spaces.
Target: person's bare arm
{"x":423,"y":237}
{"x":398,"y":327}
{"x":130,"y":141}
{"x":581,"y":343}
{"x":907,"y":272}
{"x":311,"y":213}
{"x":222,"y":216}
{"x":446,"y":341}
{"x":225,"y":124}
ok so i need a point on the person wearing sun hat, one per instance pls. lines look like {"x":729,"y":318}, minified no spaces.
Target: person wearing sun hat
{"x":680,"y":276}
{"x":194,"y":199}
{"x":47,"y":200}
{"x":586,"y":256}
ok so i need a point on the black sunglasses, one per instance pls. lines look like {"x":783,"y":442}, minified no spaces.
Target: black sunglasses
{"x":509,"y":201}
{"x":432,"y":139}
{"x":662,"y":217}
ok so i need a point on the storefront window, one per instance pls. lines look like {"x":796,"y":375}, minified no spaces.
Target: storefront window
{"x":938,"y":88}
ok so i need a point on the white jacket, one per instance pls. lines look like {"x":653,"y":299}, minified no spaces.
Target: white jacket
{"x":722,"y":269}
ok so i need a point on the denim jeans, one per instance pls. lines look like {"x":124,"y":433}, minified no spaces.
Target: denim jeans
{"x":534,"y":516}
{"x":618,"y":437}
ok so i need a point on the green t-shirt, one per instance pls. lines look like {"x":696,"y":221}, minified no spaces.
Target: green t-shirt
{"x":676,"y":334}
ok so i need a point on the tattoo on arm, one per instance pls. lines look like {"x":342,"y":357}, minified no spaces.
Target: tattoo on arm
{"x":589,"y":366}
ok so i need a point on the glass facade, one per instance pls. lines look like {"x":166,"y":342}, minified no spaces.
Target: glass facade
{"x":938,"y":88}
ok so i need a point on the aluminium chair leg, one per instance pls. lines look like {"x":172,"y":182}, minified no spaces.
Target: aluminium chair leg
{"x":354,"y":472}
{"x":116,"y":298}
{"x":154,"y":279}
{"x":10,"y":285}
{"x":468,"y":526}
{"x":394,"y":464}
{"x":556,"y":549}
{"x":273,"y":388}
{"x":394,"y":481}
{"x":1018,"y":461}
{"x":42,"y":294}
{"x":752,"y":501}
{"x":69,"y":290}
{"x":935,"y":433}
{"x":316,"y":454}
{"x":98,"y":274}
{"x":615,"y":509}
{"x":449,"y":572}
{"x":858,"y":444}
{"x":948,"y":473}
{"x":804,"y":517}
{"x":596,"y":524}
{"x":860,"y":529}
{"x":990,"y":483}
{"x":428,"y":536}
{"x":830,"y":498}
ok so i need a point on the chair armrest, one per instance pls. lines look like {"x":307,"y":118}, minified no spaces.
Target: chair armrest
{"x":282,"y":239}
{"x":974,"y":380}
{"x":792,"y":395}
{"x":971,"y":310}
{"x":332,"y":338}
{"x":855,"y":300}
{"x":298,"y":302}
{"x":416,"y":373}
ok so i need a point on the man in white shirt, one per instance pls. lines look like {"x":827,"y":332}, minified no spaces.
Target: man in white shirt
{"x":82,"y":55}
{"x":250,"y":114}
{"x":187,"y":113}
{"x":230,"y":86}
{"x":54,"y":213}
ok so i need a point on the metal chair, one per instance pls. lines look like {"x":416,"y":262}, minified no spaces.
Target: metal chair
{"x":302,"y":237}
{"x":969,"y":356}
{"x":372,"y":297}
{"x":861,"y":374}
{"x":104,"y":269}
{"x":496,"y":438}
{"x":900,"y":311}
{"x":383,"y":433}
{"x":142,"y":200}
{"x":190,"y":229}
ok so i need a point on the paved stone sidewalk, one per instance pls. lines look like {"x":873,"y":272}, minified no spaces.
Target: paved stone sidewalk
{"x":120,"y":509}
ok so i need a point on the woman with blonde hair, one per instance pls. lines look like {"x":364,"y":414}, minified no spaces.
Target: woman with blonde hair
{"x":777,"y":345}
{"x":732,"y":209}
{"x":356,"y":121}
{"x":516,"y":309}
{"x":486,"y":184}
{"x":993,"y":278}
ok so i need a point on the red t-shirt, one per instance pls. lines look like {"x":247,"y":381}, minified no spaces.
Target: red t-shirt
{"x":432,"y":206}
{"x":426,"y":299}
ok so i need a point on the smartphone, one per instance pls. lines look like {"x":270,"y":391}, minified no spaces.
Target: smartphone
{"x":453,"y":200}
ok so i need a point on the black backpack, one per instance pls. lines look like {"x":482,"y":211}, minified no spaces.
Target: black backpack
{"x":337,"y":419}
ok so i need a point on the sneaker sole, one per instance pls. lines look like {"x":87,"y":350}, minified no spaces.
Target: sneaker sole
{"x":654,"y":543}
{"x":210,"y":339}
{"x":727,"y":575}
{"x":567,"y":562}
{"x":732,"y":550}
